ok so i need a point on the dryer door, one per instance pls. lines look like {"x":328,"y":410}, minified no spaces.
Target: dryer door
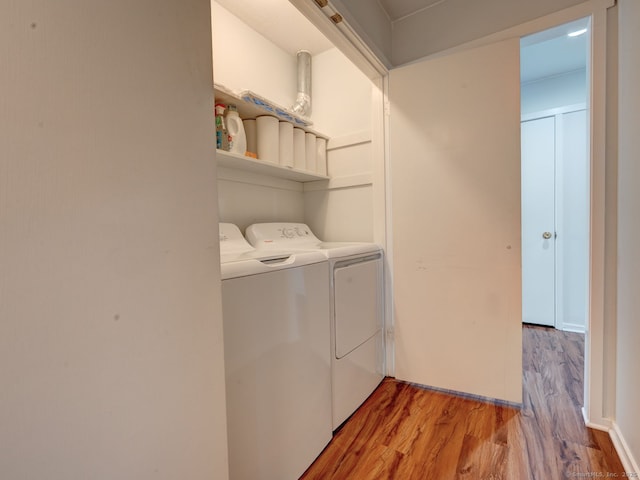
{"x":358,"y":302}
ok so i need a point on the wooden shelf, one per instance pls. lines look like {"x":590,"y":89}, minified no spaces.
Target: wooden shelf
{"x":249,"y":110}
{"x":248,"y":164}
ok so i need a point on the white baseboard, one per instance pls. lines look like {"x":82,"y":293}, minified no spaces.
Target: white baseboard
{"x":619,"y":443}
{"x":603,"y":425}
{"x":573,"y":327}
{"x":628,"y":462}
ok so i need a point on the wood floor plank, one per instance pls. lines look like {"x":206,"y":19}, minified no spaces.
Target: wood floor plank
{"x":406,"y":432}
{"x":481,"y":459}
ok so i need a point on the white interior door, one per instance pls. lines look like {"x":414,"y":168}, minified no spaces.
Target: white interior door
{"x":455,"y":173}
{"x":538,"y":221}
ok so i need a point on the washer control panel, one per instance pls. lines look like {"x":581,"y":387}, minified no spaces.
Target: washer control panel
{"x":264,"y":234}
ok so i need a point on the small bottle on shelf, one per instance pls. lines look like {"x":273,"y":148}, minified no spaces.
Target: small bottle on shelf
{"x":222,"y":136}
{"x":237,"y":137}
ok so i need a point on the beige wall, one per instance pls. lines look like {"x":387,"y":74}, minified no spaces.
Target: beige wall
{"x":455,"y":173}
{"x":111,"y":359}
{"x":628,"y":308}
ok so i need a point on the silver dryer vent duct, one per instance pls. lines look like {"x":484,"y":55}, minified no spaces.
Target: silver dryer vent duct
{"x":303,"y":100}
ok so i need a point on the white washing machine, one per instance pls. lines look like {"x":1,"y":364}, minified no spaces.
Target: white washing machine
{"x":356,"y":306}
{"x":277,"y":365}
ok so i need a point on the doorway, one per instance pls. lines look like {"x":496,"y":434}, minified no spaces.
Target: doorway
{"x":555,"y":177}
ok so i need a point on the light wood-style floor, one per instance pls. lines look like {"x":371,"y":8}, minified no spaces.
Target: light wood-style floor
{"x":405,"y":432}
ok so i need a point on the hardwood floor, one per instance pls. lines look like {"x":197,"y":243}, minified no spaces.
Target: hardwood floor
{"x":407,"y":432}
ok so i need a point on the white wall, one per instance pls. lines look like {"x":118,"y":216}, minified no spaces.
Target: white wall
{"x":628,"y":327}
{"x":554,"y":92}
{"x":244,"y":199}
{"x":341,"y":214}
{"x":341,"y":95}
{"x":572,"y":220}
{"x":111,"y":359}
{"x":343,"y":209}
{"x":455,"y":172}
{"x":243,"y":59}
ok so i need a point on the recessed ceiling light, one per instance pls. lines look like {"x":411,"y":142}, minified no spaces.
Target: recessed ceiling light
{"x":577,"y":33}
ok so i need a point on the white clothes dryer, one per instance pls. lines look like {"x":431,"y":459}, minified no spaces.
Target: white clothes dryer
{"x":277,"y":365}
{"x":356,"y":305}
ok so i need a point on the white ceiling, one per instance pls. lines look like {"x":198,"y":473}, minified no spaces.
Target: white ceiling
{"x":544,"y":54}
{"x":552,"y":52}
{"x":280,"y":22}
{"x":397,"y":9}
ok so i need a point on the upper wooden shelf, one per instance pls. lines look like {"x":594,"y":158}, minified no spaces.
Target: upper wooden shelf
{"x":248,"y":164}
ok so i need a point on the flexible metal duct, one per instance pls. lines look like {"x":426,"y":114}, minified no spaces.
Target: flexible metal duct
{"x":303,"y":100}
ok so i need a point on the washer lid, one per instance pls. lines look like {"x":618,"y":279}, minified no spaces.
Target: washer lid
{"x":232,"y":243}
{"x":234,"y":247}
{"x":282,"y":235}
